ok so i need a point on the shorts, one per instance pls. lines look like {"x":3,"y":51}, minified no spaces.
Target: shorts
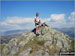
{"x":38,"y":24}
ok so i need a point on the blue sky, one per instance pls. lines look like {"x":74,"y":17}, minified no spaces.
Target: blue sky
{"x":48,"y":10}
{"x":29,"y":9}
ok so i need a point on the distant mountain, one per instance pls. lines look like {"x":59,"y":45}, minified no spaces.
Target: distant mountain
{"x":16,"y":31}
{"x":6,"y":38}
{"x":68,"y":31}
{"x":8,"y":35}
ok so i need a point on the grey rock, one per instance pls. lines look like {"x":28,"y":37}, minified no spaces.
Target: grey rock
{"x":47,"y":43}
{"x":51,"y":37}
{"x":14,"y":50}
{"x":46,"y":54}
{"x":22,"y":43}
{"x":25,"y":52}
{"x":39,"y":53}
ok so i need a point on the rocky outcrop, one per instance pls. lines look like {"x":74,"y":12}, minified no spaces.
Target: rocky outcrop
{"x":49,"y":42}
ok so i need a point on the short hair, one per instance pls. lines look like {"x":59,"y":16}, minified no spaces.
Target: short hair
{"x":37,"y":14}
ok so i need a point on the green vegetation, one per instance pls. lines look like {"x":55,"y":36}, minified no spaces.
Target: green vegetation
{"x":53,"y":49}
{"x":20,"y":39}
{"x":1,"y":47}
{"x":35,"y":44}
{"x":31,"y":51}
{"x":72,"y":46}
{"x":41,"y":42}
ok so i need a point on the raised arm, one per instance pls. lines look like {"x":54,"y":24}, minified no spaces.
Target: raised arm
{"x":34,"y":20}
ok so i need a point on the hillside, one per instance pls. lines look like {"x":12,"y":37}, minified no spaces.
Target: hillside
{"x":8,"y":35}
{"x":49,"y":42}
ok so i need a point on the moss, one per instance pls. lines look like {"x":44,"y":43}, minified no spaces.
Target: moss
{"x":1,"y":47}
{"x":38,"y":42}
{"x":41,"y":42}
{"x":31,"y":51}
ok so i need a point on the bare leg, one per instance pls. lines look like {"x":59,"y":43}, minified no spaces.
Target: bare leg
{"x":37,"y":29}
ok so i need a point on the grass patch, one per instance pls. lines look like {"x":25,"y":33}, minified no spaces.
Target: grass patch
{"x":41,"y":42}
{"x":35,"y":44}
{"x":1,"y":47}
{"x":52,"y":50}
{"x":38,"y":42}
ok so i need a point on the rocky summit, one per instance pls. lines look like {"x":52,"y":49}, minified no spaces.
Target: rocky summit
{"x":48,"y":42}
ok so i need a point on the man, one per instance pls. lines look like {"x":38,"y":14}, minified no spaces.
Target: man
{"x":37,"y":22}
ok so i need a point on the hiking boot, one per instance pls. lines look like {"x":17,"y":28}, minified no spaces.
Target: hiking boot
{"x":37,"y":34}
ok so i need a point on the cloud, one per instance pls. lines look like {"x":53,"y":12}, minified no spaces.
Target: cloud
{"x":19,"y":20}
{"x":57,"y":17}
{"x":55,"y":21}
{"x":45,"y":20}
{"x":13,"y":23}
{"x":71,"y":20}
{"x":7,"y":26}
{"x":72,"y":17}
{"x":60,"y":21}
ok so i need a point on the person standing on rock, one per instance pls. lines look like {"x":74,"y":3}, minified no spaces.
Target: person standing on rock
{"x":37,"y":22}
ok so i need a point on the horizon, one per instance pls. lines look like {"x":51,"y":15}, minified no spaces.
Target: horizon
{"x":20,"y":14}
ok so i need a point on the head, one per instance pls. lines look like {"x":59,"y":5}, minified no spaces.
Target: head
{"x":37,"y":14}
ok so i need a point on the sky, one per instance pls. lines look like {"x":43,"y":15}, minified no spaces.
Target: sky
{"x":20,"y":14}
